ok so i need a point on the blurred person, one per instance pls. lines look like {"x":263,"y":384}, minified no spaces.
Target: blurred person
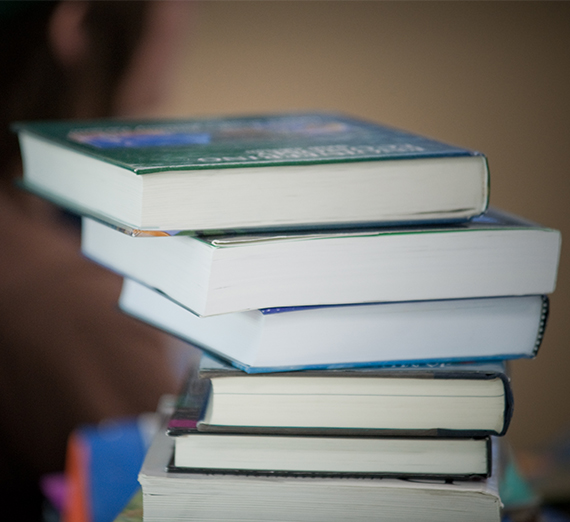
{"x":67,"y":354}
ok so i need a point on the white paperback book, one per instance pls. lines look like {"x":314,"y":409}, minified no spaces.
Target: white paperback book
{"x":493,"y":255}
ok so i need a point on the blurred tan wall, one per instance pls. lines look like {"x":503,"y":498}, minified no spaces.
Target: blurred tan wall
{"x":490,"y":76}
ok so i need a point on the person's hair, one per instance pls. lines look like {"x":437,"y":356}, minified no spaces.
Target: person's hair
{"x":34,"y":85}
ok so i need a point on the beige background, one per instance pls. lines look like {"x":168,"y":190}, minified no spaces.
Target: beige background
{"x":489,"y":76}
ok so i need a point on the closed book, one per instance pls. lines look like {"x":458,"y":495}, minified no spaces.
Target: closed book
{"x":171,"y":496}
{"x":277,"y":454}
{"x":453,"y":400}
{"x":283,"y":170}
{"x":278,"y":339}
{"x":494,"y":255}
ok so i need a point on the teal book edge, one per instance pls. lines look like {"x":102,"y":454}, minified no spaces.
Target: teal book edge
{"x":492,"y":219}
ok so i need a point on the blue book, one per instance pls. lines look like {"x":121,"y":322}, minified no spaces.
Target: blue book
{"x":257,"y":172}
{"x":321,"y":337}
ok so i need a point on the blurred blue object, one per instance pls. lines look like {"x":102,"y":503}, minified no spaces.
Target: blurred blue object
{"x":116,"y":450}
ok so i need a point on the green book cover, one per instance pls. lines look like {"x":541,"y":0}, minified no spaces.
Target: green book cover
{"x":269,"y":140}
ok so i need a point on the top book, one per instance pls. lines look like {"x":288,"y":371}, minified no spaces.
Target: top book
{"x":262,"y":172}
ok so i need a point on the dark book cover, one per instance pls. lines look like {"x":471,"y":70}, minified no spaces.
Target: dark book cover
{"x":192,"y":403}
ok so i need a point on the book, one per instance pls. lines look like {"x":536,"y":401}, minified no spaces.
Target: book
{"x":278,"y":339}
{"x":282,"y":170}
{"x":440,"y":400}
{"x":412,"y":457}
{"x":493,"y":255}
{"x":170,"y":496}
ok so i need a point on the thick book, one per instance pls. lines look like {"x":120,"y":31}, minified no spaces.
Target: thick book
{"x":267,"y":171}
{"x":440,"y":400}
{"x":278,"y":339}
{"x":169,"y":496}
{"x":493,"y":255}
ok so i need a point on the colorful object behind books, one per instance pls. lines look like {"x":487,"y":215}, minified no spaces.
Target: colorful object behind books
{"x":101,"y":471}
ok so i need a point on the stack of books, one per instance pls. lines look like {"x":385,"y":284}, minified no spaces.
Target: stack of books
{"x":355,"y":298}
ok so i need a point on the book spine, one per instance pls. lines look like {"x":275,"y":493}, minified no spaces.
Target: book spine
{"x":542,"y":324}
{"x":490,"y":456}
{"x":509,"y":403}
